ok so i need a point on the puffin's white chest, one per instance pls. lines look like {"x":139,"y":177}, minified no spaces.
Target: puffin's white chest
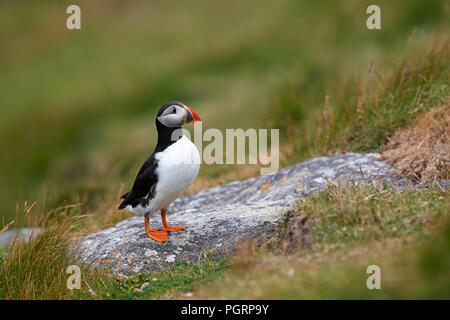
{"x":178,"y":166}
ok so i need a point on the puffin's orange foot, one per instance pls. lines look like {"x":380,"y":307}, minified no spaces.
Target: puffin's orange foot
{"x":158,"y":235}
{"x":179,"y":228}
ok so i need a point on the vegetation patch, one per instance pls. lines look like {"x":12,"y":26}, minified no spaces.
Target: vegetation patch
{"x":363,"y":113}
{"x":421,"y":151}
{"x":37,"y":269}
{"x":177,"y":281}
{"x":350,"y":228}
{"x":348,"y":215}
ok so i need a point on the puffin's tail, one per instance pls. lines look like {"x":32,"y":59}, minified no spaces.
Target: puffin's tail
{"x":124,"y":202}
{"x":123,"y":205}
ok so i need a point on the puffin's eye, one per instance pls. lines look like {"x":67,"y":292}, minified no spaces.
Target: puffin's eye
{"x":174,"y":110}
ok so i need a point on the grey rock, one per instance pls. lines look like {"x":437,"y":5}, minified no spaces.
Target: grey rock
{"x":24,"y":234}
{"x":220,"y":217}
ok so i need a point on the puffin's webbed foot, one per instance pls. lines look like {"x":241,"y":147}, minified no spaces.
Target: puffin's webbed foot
{"x":156,"y":234}
{"x":166,"y":227}
{"x":177,"y":228}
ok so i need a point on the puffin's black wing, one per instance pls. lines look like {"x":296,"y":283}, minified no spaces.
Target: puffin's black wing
{"x":145,"y":184}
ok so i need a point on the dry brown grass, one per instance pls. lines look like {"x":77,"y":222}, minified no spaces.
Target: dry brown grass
{"x":422,"y":151}
{"x":36,"y":269}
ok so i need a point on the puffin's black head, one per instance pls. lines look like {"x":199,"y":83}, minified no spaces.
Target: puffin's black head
{"x":175,"y":114}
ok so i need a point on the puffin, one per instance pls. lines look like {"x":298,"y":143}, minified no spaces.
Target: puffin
{"x":168,"y":172}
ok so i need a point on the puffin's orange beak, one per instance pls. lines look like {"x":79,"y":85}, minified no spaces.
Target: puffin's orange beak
{"x":192,"y":116}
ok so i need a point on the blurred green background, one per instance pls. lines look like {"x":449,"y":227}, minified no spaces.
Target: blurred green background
{"x":77,"y":107}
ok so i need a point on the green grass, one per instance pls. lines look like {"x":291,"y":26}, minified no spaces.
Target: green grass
{"x":367,"y":110}
{"x":355,"y":216}
{"x":167,"y":284}
{"x":37,"y":269}
{"x":349,"y":227}
{"x":405,"y":233}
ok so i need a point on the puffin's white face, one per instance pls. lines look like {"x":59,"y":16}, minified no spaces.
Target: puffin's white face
{"x":176,"y":114}
{"x":173,"y":116}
